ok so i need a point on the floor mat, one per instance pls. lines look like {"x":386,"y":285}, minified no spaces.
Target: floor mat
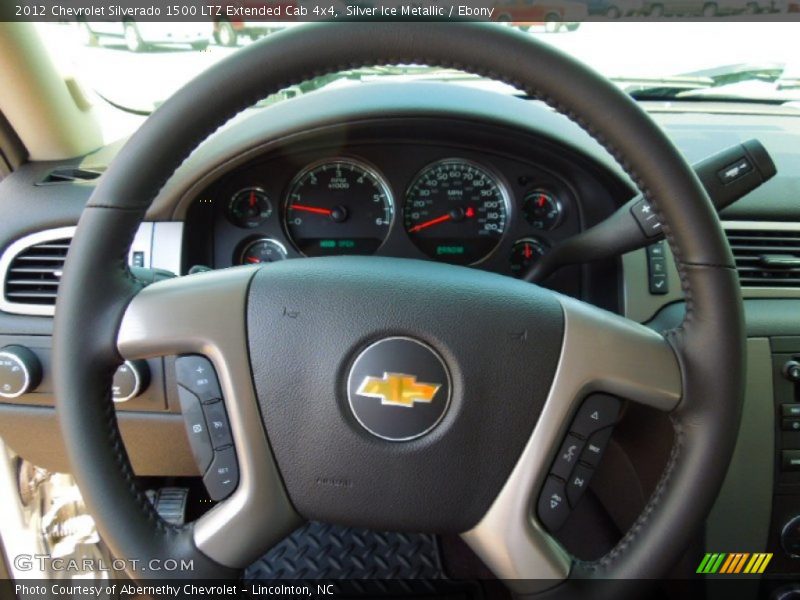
{"x":322,"y":551}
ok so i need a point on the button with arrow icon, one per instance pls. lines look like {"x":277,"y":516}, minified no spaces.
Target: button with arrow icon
{"x":553,"y":509}
{"x":597,"y":412}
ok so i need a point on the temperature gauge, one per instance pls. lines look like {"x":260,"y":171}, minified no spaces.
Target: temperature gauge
{"x":249,"y":208}
{"x":524,"y":253}
{"x":264,"y":250}
{"x":542,"y":210}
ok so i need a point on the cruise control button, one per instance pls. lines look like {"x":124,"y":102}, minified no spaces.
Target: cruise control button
{"x":656,"y":250}
{"x":196,"y":373}
{"x":577,"y":483}
{"x":597,"y":412}
{"x":595,"y":447}
{"x":646,"y":218}
{"x":222,"y":476}
{"x":217,"y":420}
{"x":553,"y":509}
{"x":196,"y":430}
{"x":567,"y":456}
{"x":659,"y":284}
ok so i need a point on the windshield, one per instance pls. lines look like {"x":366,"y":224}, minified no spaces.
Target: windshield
{"x":133,"y":70}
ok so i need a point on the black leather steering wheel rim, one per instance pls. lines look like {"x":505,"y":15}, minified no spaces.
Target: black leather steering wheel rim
{"x":97,"y":285}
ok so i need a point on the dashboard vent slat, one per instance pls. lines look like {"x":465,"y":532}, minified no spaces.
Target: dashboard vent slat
{"x":765,"y":257}
{"x":35,"y":271}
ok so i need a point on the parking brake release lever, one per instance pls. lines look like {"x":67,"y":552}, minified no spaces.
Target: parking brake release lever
{"x":727,"y":176}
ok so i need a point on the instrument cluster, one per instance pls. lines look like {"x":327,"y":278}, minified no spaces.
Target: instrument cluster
{"x":453,"y":205}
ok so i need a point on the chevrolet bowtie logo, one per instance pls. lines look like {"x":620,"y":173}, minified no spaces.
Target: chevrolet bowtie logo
{"x":398,"y":389}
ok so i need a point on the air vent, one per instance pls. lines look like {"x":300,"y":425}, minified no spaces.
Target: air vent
{"x":768,"y":257}
{"x":71,"y":175}
{"x":35,"y":273}
{"x":31,"y":271}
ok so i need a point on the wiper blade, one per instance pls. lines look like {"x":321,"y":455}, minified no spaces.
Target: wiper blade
{"x":661,"y":88}
{"x":735,"y":73}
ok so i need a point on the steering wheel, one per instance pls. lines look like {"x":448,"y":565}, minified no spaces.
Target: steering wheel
{"x":511,"y":362}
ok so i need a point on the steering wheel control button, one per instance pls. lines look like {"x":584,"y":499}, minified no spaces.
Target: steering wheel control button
{"x":217,"y":421}
{"x":553,"y":508}
{"x":196,"y":373}
{"x":577,"y":483}
{"x":130,"y":380}
{"x":567,"y":456}
{"x":399,"y":389}
{"x":196,"y":429}
{"x":20,"y":371}
{"x":222,"y":476}
{"x":646,"y":218}
{"x":657,"y":268}
{"x":597,"y":412}
{"x":595,"y":447}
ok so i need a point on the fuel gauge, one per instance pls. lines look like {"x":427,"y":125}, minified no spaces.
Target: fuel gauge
{"x":263,"y":250}
{"x":524,"y":253}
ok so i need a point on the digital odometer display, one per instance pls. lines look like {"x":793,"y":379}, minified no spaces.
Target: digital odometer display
{"x":338,"y":206}
{"x":456,"y":211}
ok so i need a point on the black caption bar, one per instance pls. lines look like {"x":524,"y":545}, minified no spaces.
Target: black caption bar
{"x":519,"y":12}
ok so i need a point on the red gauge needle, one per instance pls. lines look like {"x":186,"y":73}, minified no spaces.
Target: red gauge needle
{"x":253,"y":259}
{"x":527,"y":252}
{"x":312,"y":209}
{"x":541,"y":200}
{"x":252,"y":199}
{"x":430,"y":223}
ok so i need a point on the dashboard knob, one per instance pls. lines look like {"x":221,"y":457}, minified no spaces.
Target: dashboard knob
{"x":790,"y":537}
{"x":130,"y":380}
{"x":20,"y":371}
{"x":791,"y":370}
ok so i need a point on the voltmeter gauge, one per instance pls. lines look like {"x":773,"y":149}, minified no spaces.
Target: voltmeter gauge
{"x":249,"y":207}
{"x":542,"y":210}
{"x":524,"y":253}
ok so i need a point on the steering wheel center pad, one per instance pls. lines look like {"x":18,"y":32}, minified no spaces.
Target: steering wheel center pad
{"x":308,"y":320}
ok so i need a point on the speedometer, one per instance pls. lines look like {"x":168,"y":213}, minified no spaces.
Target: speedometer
{"x":456,"y":211}
{"x":338,"y":206}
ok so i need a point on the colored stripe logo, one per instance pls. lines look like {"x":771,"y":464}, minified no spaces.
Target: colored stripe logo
{"x":734,"y":563}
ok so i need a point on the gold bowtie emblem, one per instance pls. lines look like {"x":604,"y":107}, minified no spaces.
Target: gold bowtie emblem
{"x":398,"y":389}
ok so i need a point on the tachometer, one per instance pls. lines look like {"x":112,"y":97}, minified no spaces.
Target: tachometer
{"x":338,"y":206}
{"x":456,"y":211}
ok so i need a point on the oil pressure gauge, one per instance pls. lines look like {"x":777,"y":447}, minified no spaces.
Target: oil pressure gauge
{"x":249,"y":207}
{"x":542,"y":210}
